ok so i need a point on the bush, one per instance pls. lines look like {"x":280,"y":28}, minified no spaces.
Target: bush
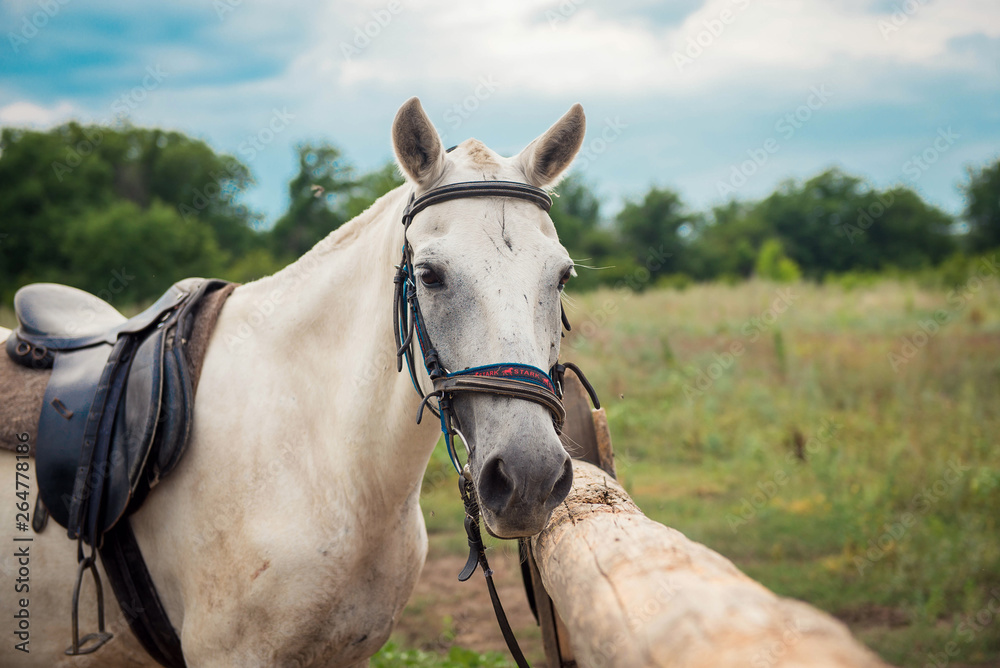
{"x":774,"y":265}
{"x":124,"y":253}
{"x":674,"y":281}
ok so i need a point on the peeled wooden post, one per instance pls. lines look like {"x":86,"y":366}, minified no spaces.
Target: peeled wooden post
{"x":614,"y":588}
{"x":632,"y":592}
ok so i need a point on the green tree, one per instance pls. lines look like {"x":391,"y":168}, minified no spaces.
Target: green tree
{"x":323,"y":180}
{"x":806,"y":219}
{"x":982,"y":207}
{"x":898,"y":230}
{"x":576,"y":213}
{"x":202,"y":184}
{"x":650,"y":231}
{"x":57,"y":183}
{"x":369,"y":187}
{"x":727,"y":244}
{"x":833,"y":223}
{"x":126,"y":253}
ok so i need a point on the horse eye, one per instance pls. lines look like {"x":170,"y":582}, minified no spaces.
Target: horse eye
{"x":565,"y":278}
{"x":430,"y":278}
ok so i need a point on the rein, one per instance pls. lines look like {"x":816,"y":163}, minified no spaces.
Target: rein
{"x":518,"y":381}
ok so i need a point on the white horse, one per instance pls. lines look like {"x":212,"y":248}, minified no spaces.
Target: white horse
{"x":291,"y":532}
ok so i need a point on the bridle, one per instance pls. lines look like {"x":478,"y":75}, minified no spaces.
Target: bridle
{"x":515,"y":380}
{"x":519,"y":381}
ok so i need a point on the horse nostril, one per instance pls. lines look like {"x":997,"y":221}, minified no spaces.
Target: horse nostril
{"x":562,"y":486}
{"x":495,"y":488}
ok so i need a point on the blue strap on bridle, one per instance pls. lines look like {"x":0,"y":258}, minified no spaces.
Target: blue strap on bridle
{"x":521,"y":381}
{"x":414,"y":326}
{"x":406,"y":349}
{"x":513,"y":371}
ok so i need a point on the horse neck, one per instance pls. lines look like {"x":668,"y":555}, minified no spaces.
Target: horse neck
{"x":334,"y":319}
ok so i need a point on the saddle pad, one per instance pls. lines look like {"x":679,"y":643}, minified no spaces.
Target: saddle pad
{"x":22,"y":391}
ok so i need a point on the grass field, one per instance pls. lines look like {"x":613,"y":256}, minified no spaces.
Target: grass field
{"x":839,"y":445}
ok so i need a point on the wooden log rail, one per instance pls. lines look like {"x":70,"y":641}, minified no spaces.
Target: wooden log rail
{"x":614,"y":588}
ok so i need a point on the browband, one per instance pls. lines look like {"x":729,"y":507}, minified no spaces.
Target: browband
{"x":476,"y":189}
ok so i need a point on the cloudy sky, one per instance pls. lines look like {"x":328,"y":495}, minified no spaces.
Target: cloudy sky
{"x":715,"y":98}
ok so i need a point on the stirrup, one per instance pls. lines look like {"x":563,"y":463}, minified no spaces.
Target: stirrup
{"x":100,"y":638}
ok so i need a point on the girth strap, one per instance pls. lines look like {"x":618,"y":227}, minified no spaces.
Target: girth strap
{"x":136,"y":594}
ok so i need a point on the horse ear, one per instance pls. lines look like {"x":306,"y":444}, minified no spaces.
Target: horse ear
{"x":545,"y":159}
{"x":417,"y":145}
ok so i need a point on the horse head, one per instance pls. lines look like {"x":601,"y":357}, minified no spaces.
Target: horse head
{"x":488,"y":273}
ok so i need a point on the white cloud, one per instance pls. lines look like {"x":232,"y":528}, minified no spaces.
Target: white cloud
{"x":533,"y":46}
{"x":27,"y":114}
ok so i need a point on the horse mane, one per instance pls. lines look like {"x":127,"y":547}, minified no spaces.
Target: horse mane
{"x":339,"y":239}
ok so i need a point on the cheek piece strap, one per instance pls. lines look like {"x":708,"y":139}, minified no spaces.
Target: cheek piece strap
{"x":506,"y":379}
{"x":515,"y":380}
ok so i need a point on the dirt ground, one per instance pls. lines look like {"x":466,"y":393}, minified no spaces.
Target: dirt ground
{"x":444,"y":612}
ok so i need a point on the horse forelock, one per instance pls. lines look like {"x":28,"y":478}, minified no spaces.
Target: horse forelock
{"x":472,"y":160}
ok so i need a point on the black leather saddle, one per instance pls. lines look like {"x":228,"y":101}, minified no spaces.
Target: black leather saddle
{"x":115,"y":419}
{"x":117,"y":407}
